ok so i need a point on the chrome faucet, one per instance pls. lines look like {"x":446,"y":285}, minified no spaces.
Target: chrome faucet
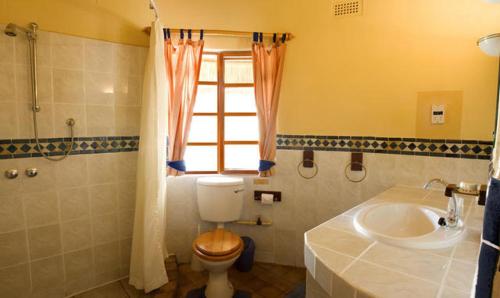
{"x":435,"y":180}
{"x":453,"y":214}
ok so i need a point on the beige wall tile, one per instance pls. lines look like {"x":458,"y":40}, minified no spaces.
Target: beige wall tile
{"x":8,"y":125}
{"x":460,"y":276}
{"x":13,"y":248}
{"x":6,"y":49}
{"x":43,"y":181}
{"x":103,"y":198}
{"x":11,"y":213}
{"x":127,"y":120}
{"x":98,"y":56}
{"x":68,"y":86}
{"x":72,"y":172}
{"x":76,"y":234}
{"x":100,"y":120}
{"x":102,"y":168}
{"x":9,"y":186}
{"x":41,"y":208}
{"x":105,"y":228}
{"x":62,"y":112}
{"x":47,"y":274}
{"x":7,"y":83}
{"x":45,"y":120}
{"x":15,"y":281}
{"x":44,"y":241}
{"x":23,"y":84}
{"x":99,"y":88}
{"x":126,"y":166}
{"x":126,"y":195}
{"x":126,"y":224}
{"x":128,"y":90}
{"x":67,"y":51}
{"x":74,"y":203}
{"x":339,"y":241}
{"x":107,"y":262}
{"x":78,"y":264}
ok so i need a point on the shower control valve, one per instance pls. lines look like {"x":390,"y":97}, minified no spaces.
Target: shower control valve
{"x":11,"y":174}
{"x":31,"y":172}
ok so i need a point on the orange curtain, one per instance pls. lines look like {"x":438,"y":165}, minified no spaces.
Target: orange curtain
{"x":183,"y":70}
{"x":267,"y":72}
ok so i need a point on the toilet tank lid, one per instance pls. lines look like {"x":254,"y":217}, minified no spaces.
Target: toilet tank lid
{"x":220,"y":181}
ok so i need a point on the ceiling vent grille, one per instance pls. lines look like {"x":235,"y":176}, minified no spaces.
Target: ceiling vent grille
{"x":342,"y":8}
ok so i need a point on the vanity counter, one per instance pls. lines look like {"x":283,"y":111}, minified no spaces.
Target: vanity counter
{"x":343,"y":263}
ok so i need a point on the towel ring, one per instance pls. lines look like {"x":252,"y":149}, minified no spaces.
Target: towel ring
{"x":362,"y":166}
{"x":316,"y":169}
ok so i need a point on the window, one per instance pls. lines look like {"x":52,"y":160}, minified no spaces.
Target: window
{"x":224,"y":132}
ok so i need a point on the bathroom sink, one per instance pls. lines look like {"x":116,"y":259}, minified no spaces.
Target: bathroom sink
{"x":407,"y":225}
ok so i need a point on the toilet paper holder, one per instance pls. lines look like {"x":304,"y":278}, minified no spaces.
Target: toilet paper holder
{"x":276,"y":195}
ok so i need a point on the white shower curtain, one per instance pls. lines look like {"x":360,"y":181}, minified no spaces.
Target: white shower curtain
{"x":147,"y":270}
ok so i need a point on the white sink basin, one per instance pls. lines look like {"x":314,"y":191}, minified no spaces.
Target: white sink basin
{"x":407,"y":225}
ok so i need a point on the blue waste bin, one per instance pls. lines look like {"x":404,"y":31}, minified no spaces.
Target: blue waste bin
{"x":245,"y":262}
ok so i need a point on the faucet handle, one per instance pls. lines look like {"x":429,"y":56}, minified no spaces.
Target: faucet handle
{"x":450,"y":189}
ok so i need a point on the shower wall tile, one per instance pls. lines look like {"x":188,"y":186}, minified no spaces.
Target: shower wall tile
{"x":98,"y":56}
{"x":68,"y":86}
{"x":103,"y":198}
{"x":44,"y":241}
{"x":47,"y":274}
{"x":76,"y":234}
{"x":15,"y":281}
{"x":69,"y":228}
{"x":23,"y":84}
{"x":14,"y":248}
{"x":7,"y":82}
{"x":8,"y":114}
{"x":45,"y":120}
{"x":11,"y":213}
{"x":99,"y":88}
{"x":41,"y":208}
{"x":66,"y":111}
{"x":74,"y":203}
{"x":101,"y":120}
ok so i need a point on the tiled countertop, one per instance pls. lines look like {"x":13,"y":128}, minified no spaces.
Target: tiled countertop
{"x":342,"y":260}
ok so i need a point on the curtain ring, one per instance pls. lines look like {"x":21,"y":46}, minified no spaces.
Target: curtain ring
{"x":283,"y":38}
{"x":182,"y":33}
{"x":316,"y":169}
{"x":201,"y":34}
{"x":274,"y":37}
{"x":189,"y":33}
{"x":362,"y":166}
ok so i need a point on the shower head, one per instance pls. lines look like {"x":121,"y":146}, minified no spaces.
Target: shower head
{"x":11,"y":30}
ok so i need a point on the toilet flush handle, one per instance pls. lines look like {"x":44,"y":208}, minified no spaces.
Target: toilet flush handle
{"x":239,"y":190}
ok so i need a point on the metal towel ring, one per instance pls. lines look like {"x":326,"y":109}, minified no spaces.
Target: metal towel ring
{"x":316,"y":169}
{"x":362,"y":166}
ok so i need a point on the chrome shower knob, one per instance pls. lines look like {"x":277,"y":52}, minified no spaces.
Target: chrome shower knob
{"x":70,"y":122}
{"x":11,"y":174}
{"x":31,"y":172}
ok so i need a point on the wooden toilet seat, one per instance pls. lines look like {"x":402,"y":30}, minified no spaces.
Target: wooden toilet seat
{"x":217,"y":246}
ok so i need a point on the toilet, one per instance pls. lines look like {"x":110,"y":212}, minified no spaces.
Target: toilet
{"x":220,"y":200}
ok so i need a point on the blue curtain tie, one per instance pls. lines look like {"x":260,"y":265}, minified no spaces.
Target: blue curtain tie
{"x":178,"y":165}
{"x":488,"y":256}
{"x":265,"y":165}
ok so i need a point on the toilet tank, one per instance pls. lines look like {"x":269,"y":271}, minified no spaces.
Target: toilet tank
{"x":220,"y":199}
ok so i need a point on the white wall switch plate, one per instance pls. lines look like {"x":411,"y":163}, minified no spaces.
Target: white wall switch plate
{"x":437,"y":114}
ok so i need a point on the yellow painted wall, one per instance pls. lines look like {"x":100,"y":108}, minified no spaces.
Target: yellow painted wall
{"x":361,"y":75}
{"x":343,"y":76}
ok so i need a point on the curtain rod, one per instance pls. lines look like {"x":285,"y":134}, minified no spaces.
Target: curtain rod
{"x":216,"y":32}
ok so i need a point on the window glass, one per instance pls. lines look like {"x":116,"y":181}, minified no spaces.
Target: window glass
{"x":201,"y":158}
{"x":208,"y":70}
{"x":241,"y":157}
{"x":241,"y":128}
{"x":206,"y":99}
{"x":239,"y":100}
{"x":203,"y":129}
{"x":238,"y":71}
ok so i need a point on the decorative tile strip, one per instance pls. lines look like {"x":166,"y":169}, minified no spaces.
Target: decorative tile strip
{"x":25,"y":148}
{"x":472,"y":149}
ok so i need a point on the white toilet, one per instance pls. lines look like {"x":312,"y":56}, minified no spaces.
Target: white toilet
{"x":220,"y":200}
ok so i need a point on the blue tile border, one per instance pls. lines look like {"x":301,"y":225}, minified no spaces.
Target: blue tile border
{"x":25,"y":148}
{"x":470,"y":149}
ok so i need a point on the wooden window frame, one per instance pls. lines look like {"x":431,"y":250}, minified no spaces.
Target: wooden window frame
{"x":221,"y":114}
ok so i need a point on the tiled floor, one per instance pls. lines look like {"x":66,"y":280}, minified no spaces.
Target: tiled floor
{"x":265,"y":280}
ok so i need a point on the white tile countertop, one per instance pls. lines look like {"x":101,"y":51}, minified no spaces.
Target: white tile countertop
{"x":344,"y":263}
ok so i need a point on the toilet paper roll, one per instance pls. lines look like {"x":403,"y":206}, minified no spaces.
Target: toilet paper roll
{"x":267,"y":199}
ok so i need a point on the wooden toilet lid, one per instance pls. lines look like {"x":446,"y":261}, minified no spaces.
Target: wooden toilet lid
{"x":218,"y":243}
